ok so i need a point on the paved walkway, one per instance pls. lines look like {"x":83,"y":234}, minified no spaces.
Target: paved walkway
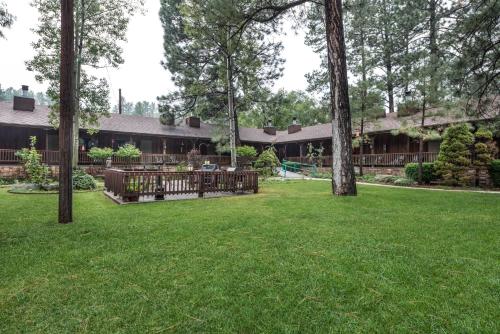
{"x":416,"y":188}
{"x":291,"y":175}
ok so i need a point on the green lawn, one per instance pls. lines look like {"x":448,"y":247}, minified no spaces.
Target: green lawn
{"x":291,"y":259}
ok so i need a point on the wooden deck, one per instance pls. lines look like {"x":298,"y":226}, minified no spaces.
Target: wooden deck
{"x":133,"y":186}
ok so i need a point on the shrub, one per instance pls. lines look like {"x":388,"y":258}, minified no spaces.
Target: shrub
{"x":428,"y":172}
{"x":37,"y":173}
{"x":385,"y":178}
{"x":100,"y":155}
{"x":367,"y":178}
{"x":83,"y":181}
{"x":405,"y":182}
{"x":246,"y":151}
{"x":485,"y":148}
{"x":4,"y":181}
{"x":495,"y":172}
{"x":453,"y":159}
{"x":267,"y":162}
{"x":128,"y":151}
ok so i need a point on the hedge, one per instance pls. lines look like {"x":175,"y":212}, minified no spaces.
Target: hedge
{"x":495,"y":172}
{"x":428,"y":172}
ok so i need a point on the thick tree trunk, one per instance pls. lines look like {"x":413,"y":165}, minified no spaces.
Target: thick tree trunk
{"x":343,"y":180}
{"x":66,"y":113}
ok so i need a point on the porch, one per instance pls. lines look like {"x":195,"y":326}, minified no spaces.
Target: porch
{"x":49,"y":157}
{"x":374,"y":160}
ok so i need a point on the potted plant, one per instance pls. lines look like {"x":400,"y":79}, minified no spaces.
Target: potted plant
{"x":132,"y":192}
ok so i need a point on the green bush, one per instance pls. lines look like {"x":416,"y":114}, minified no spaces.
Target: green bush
{"x":246,"y":151}
{"x":428,"y":172}
{"x":83,"y":181}
{"x":128,"y":151}
{"x":32,"y":160}
{"x":485,"y":148}
{"x":100,"y":155}
{"x":405,"y":182}
{"x":495,"y":172}
{"x":389,"y":179}
{"x":454,"y":157}
{"x":267,"y":162}
{"x":4,"y":181}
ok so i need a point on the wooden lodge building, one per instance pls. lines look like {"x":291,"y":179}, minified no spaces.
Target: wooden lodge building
{"x":21,"y":118}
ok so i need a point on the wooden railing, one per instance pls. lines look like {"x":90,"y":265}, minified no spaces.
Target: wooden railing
{"x":8,"y":156}
{"x":131,"y":185}
{"x":386,"y":159}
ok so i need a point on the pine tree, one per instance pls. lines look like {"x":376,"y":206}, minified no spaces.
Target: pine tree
{"x":6,"y":18}
{"x":453,"y":159}
{"x":218,"y":62}
{"x":99,"y":27}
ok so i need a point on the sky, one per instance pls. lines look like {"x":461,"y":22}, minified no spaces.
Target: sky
{"x":141,"y":77}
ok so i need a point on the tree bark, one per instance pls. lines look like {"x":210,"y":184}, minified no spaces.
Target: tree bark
{"x":343,"y":180}
{"x":66,"y":104}
{"x":421,"y":143}
{"x":388,"y":50}
{"x":364,"y":94}
{"x":434,"y":56}
{"x":230,"y":107}
{"x":80,"y":18}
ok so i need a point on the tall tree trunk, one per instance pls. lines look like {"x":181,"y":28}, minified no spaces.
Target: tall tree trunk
{"x":433,"y":49}
{"x":364,"y":94}
{"x":389,"y":83}
{"x":421,"y":143}
{"x":66,"y":113}
{"x":361,"y":149}
{"x":388,"y":51}
{"x":80,"y":19}
{"x":343,"y":180}
{"x":407,"y":66}
{"x":230,"y":107}
{"x":236,"y":125}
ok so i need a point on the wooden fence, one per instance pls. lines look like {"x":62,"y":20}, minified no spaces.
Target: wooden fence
{"x":131,"y":185}
{"x":8,"y":156}
{"x":386,"y":159}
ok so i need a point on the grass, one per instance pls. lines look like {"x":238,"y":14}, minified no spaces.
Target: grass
{"x":291,"y":259}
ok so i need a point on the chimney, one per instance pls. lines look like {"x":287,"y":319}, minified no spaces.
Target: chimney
{"x":24,"y":103}
{"x":193,"y":121}
{"x":294,"y":127}
{"x":270,"y":129}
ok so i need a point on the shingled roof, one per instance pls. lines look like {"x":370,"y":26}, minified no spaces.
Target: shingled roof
{"x":131,"y":124}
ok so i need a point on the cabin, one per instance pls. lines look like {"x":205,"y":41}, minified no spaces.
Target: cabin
{"x":21,"y":118}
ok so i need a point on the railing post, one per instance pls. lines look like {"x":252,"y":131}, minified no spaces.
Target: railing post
{"x":201,"y":184}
